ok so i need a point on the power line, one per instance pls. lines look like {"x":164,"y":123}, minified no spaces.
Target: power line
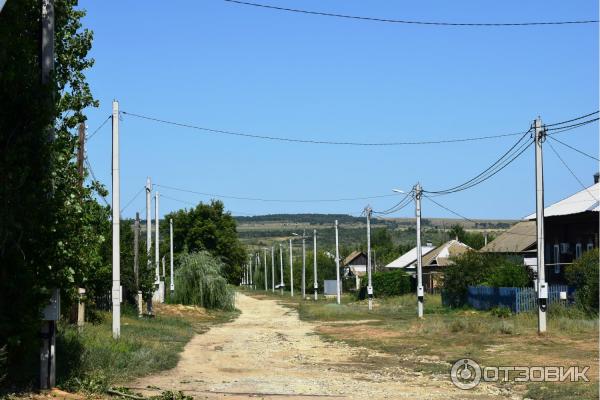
{"x":97,"y":129}
{"x":89,"y":165}
{"x":492,"y":170}
{"x":398,"y":206}
{"x":133,"y":199}
{"x":574,"y":119}
{"x":573,"y":148}
{"x":577,"y":125}
{"x":325,"y":142}
{"x":412,"y":22}
{"x":571,"y":171}
{"x":272,"y":200}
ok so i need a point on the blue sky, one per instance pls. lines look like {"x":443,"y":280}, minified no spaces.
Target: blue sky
{"x":231,"y":67}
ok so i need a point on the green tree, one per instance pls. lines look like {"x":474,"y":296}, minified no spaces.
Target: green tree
{"x":207,"y":227}
{"x":51,"y":229}
{"x":583,"y":275}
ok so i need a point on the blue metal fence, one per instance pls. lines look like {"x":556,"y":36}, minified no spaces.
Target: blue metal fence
{"x":517,"y":299}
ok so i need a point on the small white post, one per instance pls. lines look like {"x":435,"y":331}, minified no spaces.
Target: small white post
{"x":316,"y":282}
{"x":273,"y":268}
{"x":337,"y":263}
{"x":291,"y":271}
{"x":172,"y":283}
{"x":116,"y":219}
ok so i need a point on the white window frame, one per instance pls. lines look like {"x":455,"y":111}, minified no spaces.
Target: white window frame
{"x":578,"y":250}
{"x":590,"y":246}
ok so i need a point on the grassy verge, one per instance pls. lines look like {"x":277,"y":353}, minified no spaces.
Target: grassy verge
{"x":92,"y":361}
{"x":445,"y":335}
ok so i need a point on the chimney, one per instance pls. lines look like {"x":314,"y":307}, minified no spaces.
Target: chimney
{"x":596,"y":176}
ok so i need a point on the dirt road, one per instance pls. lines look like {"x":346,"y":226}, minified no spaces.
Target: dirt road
{"x":267,"y":352}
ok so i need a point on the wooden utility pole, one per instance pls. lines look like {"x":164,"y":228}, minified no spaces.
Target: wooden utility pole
{"x":542,"y":289}
{"x":81,"y":152}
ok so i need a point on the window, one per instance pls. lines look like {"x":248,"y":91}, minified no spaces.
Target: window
{"x":590,"y":246}
{"x":556,"y":259}
{"x":577,"y":250}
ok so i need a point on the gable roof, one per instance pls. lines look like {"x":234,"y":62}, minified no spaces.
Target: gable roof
{"x":442,"y":254}
{"x":520,"y":237}
{"x":582,"y":201}
{"x":352,"y":256}
{"x":409,"y":257}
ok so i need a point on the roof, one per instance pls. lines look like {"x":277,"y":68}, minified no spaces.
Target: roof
{"x":355,"y":254}
{"x":520,"y":237}
{"x":585,"y":200}
{"x":442,"y":254}
{"x":409,"y":257}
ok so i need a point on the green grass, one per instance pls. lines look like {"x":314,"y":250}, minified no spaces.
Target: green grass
{"x":92,"y":361}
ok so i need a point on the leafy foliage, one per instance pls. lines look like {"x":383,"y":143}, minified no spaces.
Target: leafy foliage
{"x":475,"y":240}
{"x":207,"y":227}
{"x":472,"y":269}
{"x":583,"y":275}
{"x":389,"y":283}
{"x":199,"y":281}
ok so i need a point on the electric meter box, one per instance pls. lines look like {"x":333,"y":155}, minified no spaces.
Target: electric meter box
{"x":370,"y":290}
{"x":420,"y":291}
{"x":543,"y":293}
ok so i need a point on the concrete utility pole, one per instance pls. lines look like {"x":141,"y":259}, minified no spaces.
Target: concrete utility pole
{"x":149,"y":234}
{"x":156,"y":239}
{"x":250,"y":271}
{"x":337,"y":263}
{"x":540,"y":137}
{"x":281,"y":266}
{"x":303,"y":264}
{"x":291,"y":271}
{"x":265,"y":263}
{"x":316,"y":282}
{"x":273,"y":268}
{"x":368,"y":211}
{"x":116,"y":219}
{"x":136,"y":262}
{"x":420,"y":291}
{"x":172,"y":282}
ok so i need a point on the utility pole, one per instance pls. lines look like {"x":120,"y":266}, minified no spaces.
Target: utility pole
{"x":281,"y":266}
{"x":337,"y":263}
{"x":149,"y":234}
{"x":291,"y":271}
{"x":250,"y":271}
{"x":316,"y":282}
{"x":273,"y":268}
{"x":540,"y":136}
{"x":136,"y":262}
{"x":368,"y":211}
{"x":116,"y":219}
{"x":48,"y":328}
{"x":420,"y":291}
{"x":172,"y":282}
{"x":303,"y":264}
{"x":156,"y":247}
{"x":265,"y":263}
{"x":81,"y":152}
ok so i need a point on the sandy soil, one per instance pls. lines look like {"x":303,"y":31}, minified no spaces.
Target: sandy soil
{"x":267,"y":352}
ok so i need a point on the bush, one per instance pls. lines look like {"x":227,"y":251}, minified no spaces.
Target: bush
{"x":583,"y":275}
{"x":388,"y":283}
{"x":198,"y":281}
{"x":472,"y":269}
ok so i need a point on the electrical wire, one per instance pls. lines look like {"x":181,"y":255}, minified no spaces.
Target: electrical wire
{"x":325,"y":142}
{"x":89,"y":165}
{"x":98,"y":128}
{"x":577,"y":125}
{"x":133,"y":199}
{"x":398,"y":206}
{"x":411,"y":22}
{"x":574,"y":119}
{"x":492,"y":170}
{"x":272,"y":200}
{"x":573,"y":148}
{"x":571,"y":171}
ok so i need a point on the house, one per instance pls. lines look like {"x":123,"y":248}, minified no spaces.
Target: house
{"x":434,"y":259}
{"x":409,"y":258}
{"x":434,"y":262}
{"x":570,"y":228}
{"x":355,"y":266}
